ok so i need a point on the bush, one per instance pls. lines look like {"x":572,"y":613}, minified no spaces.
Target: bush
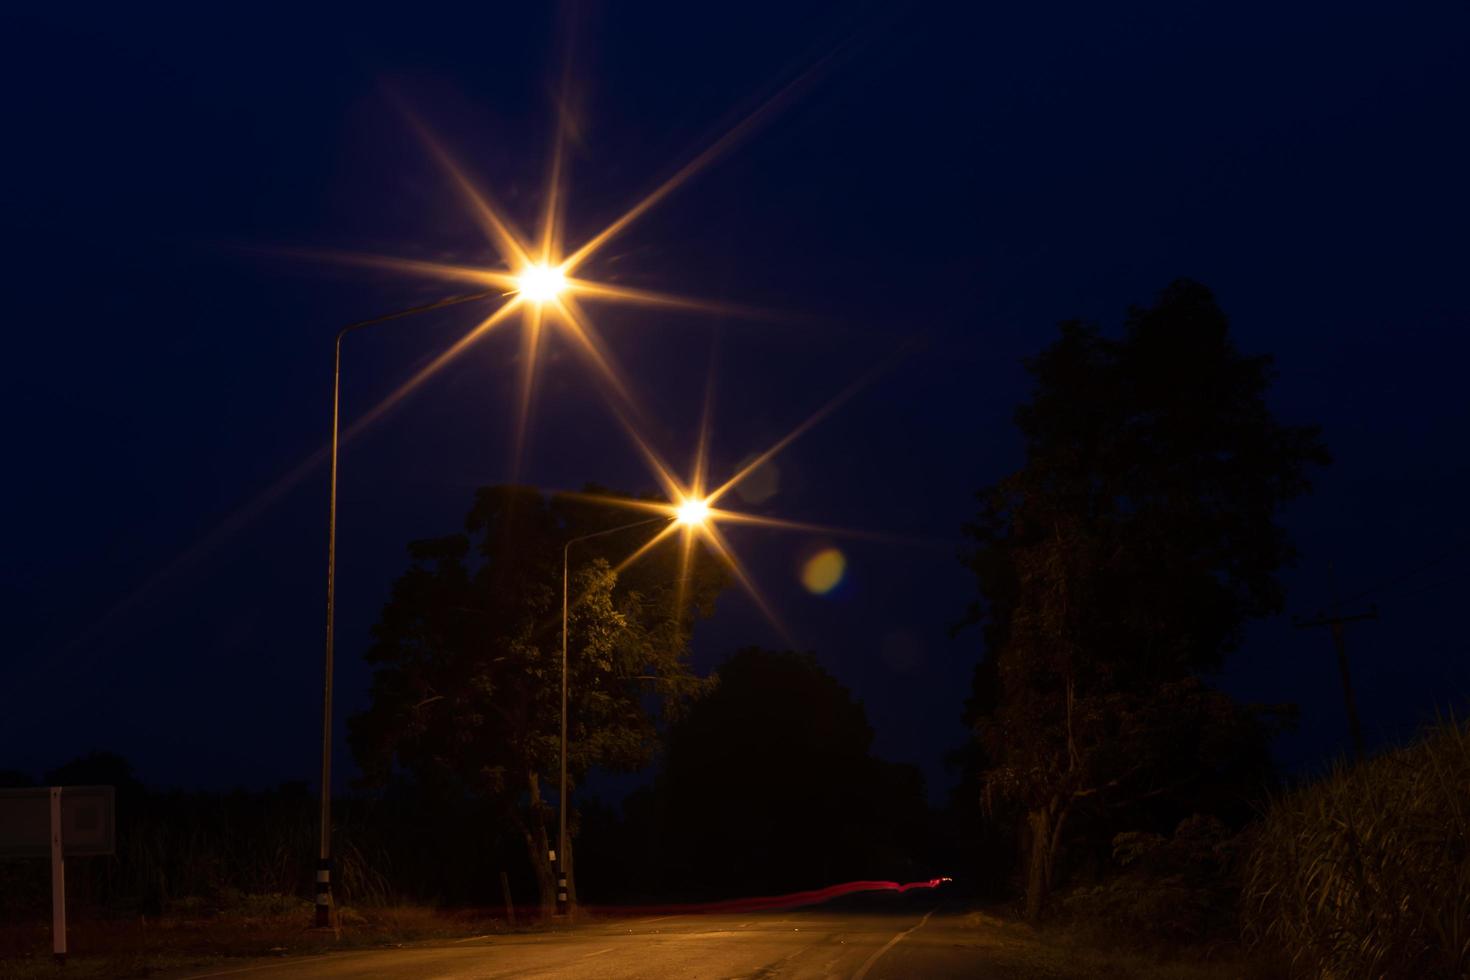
{"x":1176,"y":890}
{"x":1367,"y":873}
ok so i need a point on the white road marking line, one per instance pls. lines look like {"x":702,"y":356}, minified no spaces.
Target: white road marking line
{"x":863,"y":971}
{"x":599,"y":952}
{"x":470,"y":939}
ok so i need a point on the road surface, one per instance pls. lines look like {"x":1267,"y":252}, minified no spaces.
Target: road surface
{"x":912,"y":936}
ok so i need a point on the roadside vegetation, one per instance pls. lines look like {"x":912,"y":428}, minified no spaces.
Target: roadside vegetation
{"x":1123,"y":796}
{"x":1366,"y":872}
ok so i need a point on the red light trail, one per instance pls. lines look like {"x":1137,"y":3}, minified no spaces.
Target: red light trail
{"x":816,"y":896}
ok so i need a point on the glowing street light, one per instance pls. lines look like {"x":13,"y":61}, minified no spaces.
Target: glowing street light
{"x":692,"y":506}
{"x":541,"y":283}
{"x":545,"y":279}
{"x":692,"y":512}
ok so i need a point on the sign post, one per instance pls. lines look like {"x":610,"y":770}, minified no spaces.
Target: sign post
{"x":59,"y":822}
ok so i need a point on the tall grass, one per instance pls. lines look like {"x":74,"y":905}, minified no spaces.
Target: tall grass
{"x":1366,"y":873}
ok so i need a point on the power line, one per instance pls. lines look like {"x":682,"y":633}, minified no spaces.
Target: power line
{"x":1398,"y":579}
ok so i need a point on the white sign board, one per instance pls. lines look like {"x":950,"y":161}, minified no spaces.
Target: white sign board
{"x":60,"y":821}
{"x":87,"y":826}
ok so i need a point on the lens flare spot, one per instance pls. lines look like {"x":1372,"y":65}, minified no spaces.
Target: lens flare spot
{"x":761,"y":483}
{"x":823,"y":571}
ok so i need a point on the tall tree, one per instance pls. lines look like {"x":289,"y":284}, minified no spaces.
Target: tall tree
{"x":770,"y":785}
{"x":466,"y":694}
{"x":1121,"y":562}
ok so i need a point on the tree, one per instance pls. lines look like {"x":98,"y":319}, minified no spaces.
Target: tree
{"x":769,"y":785}
{"x":1121,"y":562}
{"x":466,"y":694}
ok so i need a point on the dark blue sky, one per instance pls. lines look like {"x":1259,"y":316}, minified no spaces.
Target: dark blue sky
{"x":966,"y":174}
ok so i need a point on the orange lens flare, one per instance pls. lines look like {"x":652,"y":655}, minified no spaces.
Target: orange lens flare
{"x":823,"y":571}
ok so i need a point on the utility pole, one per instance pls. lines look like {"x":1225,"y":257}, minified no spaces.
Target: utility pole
{"x":324,"y":852}
{"x":1337,"y":624}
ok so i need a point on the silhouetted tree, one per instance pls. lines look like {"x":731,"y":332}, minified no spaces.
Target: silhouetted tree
{"x":1122,"y":561}
{"x":770,"y":785}
{"x":466,"y":695}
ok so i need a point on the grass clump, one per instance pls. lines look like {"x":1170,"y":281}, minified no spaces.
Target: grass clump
{"x":1366,"y":873}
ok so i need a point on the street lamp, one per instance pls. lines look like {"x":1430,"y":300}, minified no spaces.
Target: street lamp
{"x":685,"y":514}
{"x":324,"y":855}
{"x":541,"y":283}
{"x":692,"y":512}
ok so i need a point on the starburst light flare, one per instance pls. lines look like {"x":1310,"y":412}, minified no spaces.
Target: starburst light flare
{"x":690,"y":505}
{"x":542,"y":275}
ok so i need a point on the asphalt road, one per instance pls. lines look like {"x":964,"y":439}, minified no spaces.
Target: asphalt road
{"x":912,"y":936}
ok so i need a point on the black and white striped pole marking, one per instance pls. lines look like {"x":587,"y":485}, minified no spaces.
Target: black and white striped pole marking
{"x":323,"y":892}
{"x":561,"y":882}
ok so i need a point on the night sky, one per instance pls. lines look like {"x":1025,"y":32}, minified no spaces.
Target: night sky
{"x":942,"y":187}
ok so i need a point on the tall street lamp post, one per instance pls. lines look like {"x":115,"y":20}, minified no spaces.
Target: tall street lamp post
{"x":324,"y":856}
{"x":558,"y":856}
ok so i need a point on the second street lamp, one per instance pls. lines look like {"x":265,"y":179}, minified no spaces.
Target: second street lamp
{"x":324,"y":855}
{"x":559,"y":856}
{"x":691,"y":512}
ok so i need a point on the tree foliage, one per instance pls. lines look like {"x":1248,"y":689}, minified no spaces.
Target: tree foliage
{"x":1122,"y":561}
{"x":467,"y":687}
{"x":770,"y":784}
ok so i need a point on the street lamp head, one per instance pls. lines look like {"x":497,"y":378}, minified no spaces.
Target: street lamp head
{"x":541,"y":283}
{"x":692,"y":512}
